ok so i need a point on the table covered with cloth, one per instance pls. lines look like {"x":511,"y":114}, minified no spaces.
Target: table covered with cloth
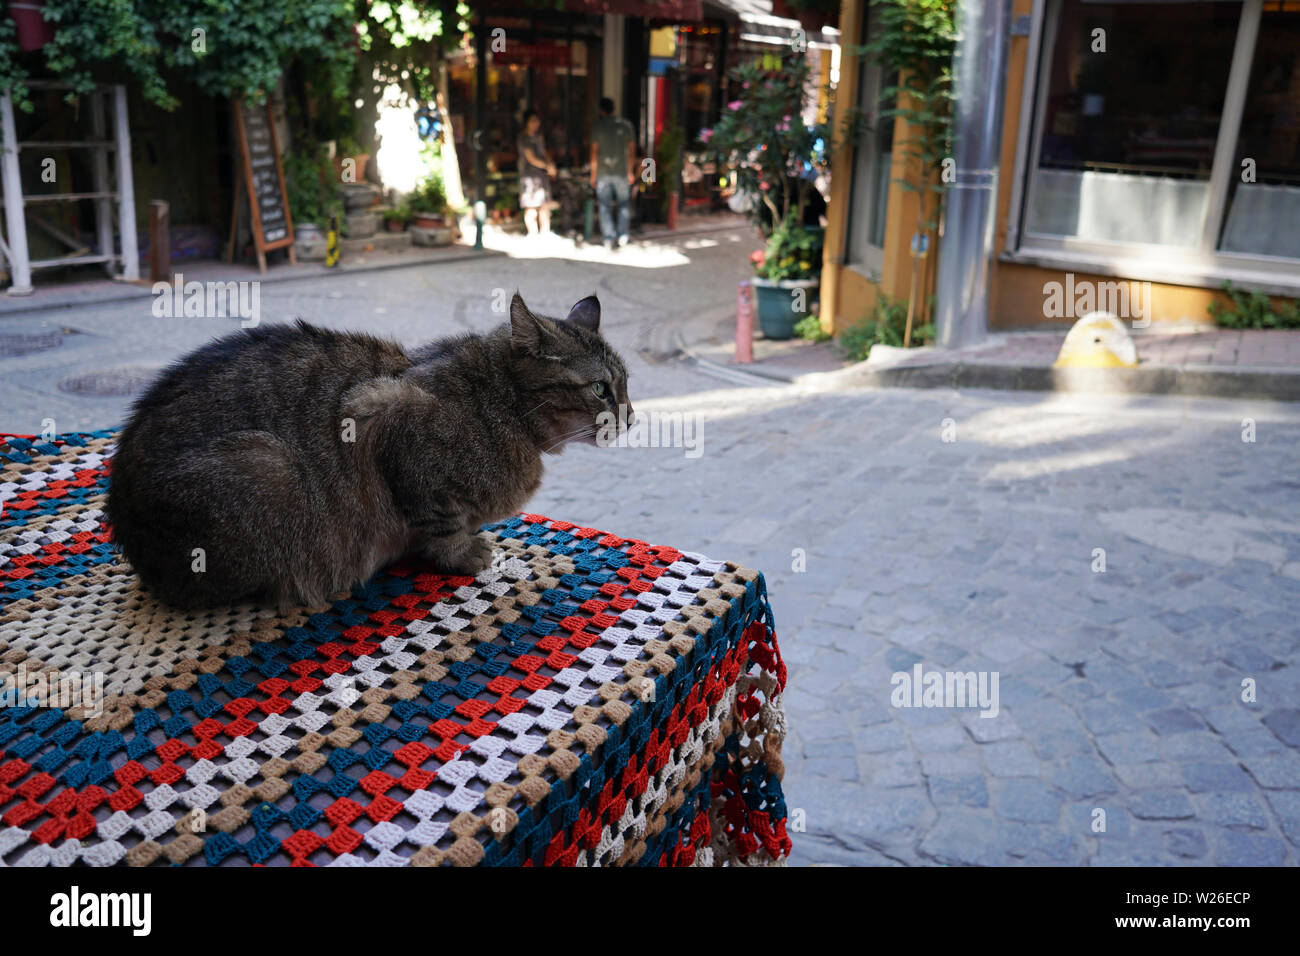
{"x":588,"y":700}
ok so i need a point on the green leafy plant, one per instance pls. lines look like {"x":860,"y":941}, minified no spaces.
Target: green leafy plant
{"x":883,"y":326}
{"x":1253,"y":310}
{"x":399,"y":213}
{"x":793,"y":252}
{"x":429,"y":197}
{"x":401,"y":40}
{"x":309,"y":182}
{"x":763,"y":137}
{"x":668,"y":160}
{"x":668,"y":157}
{"x":914,"y":44}
{"x":810,"y":329}
{"x":349,"y":146}
{"x":225,"y":49}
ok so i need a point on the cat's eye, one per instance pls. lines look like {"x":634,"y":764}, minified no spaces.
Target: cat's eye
{"x":600,"y":389}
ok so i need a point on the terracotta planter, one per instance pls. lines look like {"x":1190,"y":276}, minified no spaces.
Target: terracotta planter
{"x":33,"y":30}
{"x":395,"y":225}
{"x":426,"y":221}
{"x":361,"y":159}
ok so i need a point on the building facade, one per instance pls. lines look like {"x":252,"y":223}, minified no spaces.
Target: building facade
{"x":1148,"y":147}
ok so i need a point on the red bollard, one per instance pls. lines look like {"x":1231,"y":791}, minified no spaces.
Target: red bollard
{"x":744,"y":323}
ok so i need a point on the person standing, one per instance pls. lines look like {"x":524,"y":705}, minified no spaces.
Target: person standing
{"x":535,"y":172}
{"x":613,"y":171}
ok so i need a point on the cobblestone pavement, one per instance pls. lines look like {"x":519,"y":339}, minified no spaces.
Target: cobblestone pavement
{"x":1120,"y":691}
{"x":957,"y":531}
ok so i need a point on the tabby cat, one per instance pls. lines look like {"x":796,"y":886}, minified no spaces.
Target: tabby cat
{"x":285,"y":463}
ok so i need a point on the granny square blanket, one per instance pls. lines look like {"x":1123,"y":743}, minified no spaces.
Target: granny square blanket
{"x":588,"y":700}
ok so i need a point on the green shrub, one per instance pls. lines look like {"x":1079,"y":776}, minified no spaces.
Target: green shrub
{"x":429,"y":196}
{"x":1253,"y":311}
{"x":885,"y":326}
{"x":810,"y":328}
{"x":309,"y":181}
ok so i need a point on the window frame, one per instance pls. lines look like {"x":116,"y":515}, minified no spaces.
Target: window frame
{"x":1199,"y":265}
{"x":865,"y":257}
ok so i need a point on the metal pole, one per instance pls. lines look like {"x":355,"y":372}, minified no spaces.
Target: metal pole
{"x":480,"y":111}
{"x":979,"y":70}
{"x":125,"y":188}
{"x":13,"y":187}
{"x":103,"y":205}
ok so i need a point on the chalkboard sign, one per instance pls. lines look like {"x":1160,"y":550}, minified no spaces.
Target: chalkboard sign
{"x":263,"y":180}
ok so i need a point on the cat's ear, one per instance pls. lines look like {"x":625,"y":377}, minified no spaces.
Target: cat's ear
{"x":527,"y":331}
{"x":586,"y":313}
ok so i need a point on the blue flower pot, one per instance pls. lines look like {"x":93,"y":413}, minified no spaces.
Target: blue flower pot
{"x":777,"y":304}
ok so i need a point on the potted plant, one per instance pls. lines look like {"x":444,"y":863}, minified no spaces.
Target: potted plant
{"x":775,"y":156}
{"x":427,"y":203}
{"x":397,"y":217}
{"x":787,"y":278}
{"x":349,"y":148}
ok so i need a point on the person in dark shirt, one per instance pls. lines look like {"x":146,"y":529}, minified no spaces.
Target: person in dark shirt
{"x":535,"y":172}
{"x":613,"y":171}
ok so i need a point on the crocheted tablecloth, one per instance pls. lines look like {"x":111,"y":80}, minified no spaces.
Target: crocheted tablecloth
{"x":589,"y":700}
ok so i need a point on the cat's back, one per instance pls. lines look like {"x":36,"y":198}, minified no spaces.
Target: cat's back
{"x":287,"y":379}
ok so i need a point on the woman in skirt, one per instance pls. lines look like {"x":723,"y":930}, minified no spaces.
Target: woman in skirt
{"x":535,"y":172}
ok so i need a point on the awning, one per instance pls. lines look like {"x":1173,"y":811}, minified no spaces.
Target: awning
{"x":685,"y":10}
{"x":758,"y":25}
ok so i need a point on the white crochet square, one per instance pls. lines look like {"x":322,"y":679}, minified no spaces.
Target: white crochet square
{"x":464,"y":800}
{"x":240,"y":747}
{"x":202,"y":796}
{"x":424,"y":803}
{"x":155,"y":824}
{"x":160,"y":797}
{"x":385,"y":835}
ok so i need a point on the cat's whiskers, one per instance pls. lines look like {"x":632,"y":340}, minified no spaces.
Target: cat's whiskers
{"x":568,"y":436}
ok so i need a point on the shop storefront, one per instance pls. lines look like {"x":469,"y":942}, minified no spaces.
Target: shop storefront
{"x":664,"y":63}
{"x":550,"y":63}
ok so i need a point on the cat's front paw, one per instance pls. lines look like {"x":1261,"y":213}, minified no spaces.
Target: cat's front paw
{"x":475,"y":558}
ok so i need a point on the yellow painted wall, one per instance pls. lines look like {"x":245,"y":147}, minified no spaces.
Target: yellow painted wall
{"x":835,"y":283}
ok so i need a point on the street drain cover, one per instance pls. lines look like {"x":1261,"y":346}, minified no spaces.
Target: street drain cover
{"x":125,"y":380}
{"x":13,"y":344}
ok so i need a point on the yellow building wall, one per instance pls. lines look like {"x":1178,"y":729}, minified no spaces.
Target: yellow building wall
{"x":847,"y":296}
{"x":1017,"y":298}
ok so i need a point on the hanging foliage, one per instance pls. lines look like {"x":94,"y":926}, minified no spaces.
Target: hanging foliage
{"x":226,"y":49}
{"x":914,"y":44}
